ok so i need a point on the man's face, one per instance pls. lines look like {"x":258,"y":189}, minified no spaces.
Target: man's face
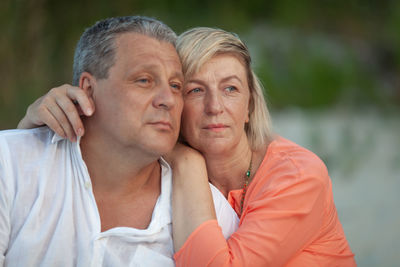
{"x":139,"y":105}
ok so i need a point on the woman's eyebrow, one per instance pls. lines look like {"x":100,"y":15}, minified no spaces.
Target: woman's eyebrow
{"x":195,"y":81}
{"x":232,"y":77}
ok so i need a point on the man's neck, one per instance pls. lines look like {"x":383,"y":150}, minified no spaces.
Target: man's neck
{"x":116,"y":170}
{"x":126,"y":184}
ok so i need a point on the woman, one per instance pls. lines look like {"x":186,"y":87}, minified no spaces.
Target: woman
{"x":281,"y":191}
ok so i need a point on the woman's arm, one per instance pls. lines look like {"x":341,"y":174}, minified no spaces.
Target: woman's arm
{"x":192,"y":201}
{"x":283,"y":213}
{"x":60,"y":109}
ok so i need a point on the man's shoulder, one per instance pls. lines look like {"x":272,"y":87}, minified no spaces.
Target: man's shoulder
{"x":20,"y":152}
{"x":19,"y":133}
{"x":28,"y":155}
{"x":26,"y":137}
{"x":21,"y":147}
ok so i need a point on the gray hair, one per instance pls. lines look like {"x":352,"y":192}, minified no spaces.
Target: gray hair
{"x":198,"y":45}
{"x":95,"y":51}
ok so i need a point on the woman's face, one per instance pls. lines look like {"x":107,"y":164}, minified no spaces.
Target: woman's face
{"x":216,"y":106}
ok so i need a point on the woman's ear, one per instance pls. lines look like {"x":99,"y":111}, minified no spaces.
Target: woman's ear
{"x":87,"y":82}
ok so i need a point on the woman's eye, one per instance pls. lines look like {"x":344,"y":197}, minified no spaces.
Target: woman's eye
{"x":230,"y":88}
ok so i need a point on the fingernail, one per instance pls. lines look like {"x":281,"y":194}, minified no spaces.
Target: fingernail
{"x":89,"y":111}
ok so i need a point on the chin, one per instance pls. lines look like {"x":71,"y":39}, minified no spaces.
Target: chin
{"x":162,"y":149}
{"x":161,"y":142}
{"x":214,"y":148}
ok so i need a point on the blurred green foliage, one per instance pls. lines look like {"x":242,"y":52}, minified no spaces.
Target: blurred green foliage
{"x":308,"y":53}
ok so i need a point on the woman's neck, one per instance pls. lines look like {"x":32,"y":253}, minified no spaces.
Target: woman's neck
{"x":226,"y":170}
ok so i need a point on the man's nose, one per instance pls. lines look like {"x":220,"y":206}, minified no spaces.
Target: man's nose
{"x":165,"y":97}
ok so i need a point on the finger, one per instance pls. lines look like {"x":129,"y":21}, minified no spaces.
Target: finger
{"x":62,"y":120}
{"x":78,"y":108}
{"x":72,"y":115}
{"x":81,"y":99}
{"x":32,"y":118}
{"x":52,"y":123}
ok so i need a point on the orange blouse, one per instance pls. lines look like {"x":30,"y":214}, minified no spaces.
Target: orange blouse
{"x":289,"y":218}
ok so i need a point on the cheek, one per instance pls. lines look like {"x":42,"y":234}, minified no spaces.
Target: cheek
{"x":187,"y":133}
{"x":189,"y":112}
{"x":178,"y":112}
{"x":188,"y":124}
{"x":241,"y":112}
{"x":246,"y":116}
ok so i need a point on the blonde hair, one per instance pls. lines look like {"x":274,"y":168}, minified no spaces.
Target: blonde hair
{"x":198,"y":45}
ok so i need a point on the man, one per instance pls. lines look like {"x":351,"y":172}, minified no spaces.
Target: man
{"x":104,"y":200}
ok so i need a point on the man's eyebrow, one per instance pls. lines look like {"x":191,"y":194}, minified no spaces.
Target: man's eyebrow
{"x":178,"y":75}
{"x":151,"y":67}
{"x":145,"y":67}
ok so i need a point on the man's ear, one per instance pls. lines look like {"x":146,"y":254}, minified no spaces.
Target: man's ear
{"x":87,"y":82}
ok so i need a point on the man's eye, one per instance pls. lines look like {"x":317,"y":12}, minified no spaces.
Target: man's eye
{"x":176,"y":86}
{"x":195,"y":90}
{"x":143,"y":80}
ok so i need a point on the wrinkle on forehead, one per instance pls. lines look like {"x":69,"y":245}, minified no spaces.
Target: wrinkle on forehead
{"x":141,"y":44}
{"x":139,"y":52}
{"x":215,"y":71}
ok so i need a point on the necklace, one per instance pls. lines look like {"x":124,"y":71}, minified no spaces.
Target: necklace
{"x":246,"y":183}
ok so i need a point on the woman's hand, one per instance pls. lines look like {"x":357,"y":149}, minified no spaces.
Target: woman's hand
{"x":184,"y":156}
{"x":60,"y":109}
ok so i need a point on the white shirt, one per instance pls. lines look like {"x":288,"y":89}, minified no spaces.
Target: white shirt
{"x":49,"y":216}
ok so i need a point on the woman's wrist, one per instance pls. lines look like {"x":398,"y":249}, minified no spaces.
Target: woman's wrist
{"x":189,"y":164}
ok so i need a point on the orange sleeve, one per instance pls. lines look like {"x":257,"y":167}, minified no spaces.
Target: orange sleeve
{"x":208,"y":233}
{"x":283,"y":212}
